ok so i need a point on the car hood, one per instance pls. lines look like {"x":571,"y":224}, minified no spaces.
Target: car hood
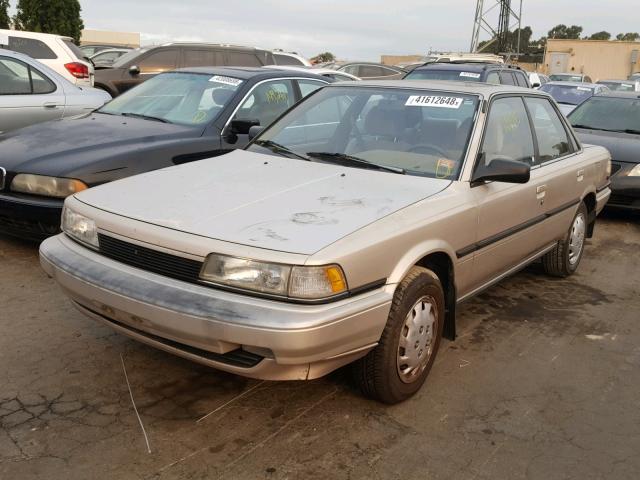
{"x":261,"y":200}
{"x":60,"y":146}
{"x":623,"y":147}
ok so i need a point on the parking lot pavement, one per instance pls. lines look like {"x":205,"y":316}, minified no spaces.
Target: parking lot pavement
{"x":543,"y":382}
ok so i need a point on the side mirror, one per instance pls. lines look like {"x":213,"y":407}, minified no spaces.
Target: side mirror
{"x":242,"y":126}
{"x":255,"y":131}
{"x":134,"y":70}
{"x":501,"y":169}
{"x":535,"y":85}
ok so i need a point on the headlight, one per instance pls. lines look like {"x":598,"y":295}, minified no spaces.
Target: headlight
{"x":46,"y":186}
{"x":277,"y":279}
{"x":79,"y":227}
{"x":635,"y":171}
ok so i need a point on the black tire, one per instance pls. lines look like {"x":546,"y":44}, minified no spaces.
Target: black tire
{"x":378,"y":373}
{"x":559,"y":262}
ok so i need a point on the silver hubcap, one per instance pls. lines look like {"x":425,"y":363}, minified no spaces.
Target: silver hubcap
{"x":417,"y":339}
{"x":576,"y":239}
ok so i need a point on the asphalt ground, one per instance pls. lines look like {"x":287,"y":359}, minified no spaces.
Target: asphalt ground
{"x":543,"y":382}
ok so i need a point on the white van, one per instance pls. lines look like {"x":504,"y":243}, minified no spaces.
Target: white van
{"x":57,"y":52}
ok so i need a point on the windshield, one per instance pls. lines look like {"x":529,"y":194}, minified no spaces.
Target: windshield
{"x":608,"y":113}
{"x":433,"y":74}
{"x":124,"y":59}
{"x":417,"y":132}
{"x":568,"y":94}
{"x":565,"y":77}
{"x":620,"y":86}
{"x":176,"y":97}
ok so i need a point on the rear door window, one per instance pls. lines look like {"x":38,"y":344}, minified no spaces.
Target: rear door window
{"x":553,"y":141}
{"x":32,"y":47}
{"x":494,"y":78}
{"x":309,"y":86}
{"x":520,"y":78}
{"x":199,"y":58}
{"x":159,"y":61}
{"x":243,"y":59}
{"x":506,"y":78}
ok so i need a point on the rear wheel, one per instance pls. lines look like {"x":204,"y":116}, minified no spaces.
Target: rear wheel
{"x":399,"y":365}
{"x":564,"y":259}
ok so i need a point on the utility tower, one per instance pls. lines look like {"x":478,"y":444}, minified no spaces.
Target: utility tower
{"x":497,"y":18}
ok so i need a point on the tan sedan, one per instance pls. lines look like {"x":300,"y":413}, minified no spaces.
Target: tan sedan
{"x":348,"y":231}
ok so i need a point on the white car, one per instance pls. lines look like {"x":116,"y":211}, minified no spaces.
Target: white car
{"x":325,"y":72}
{"x":31,"y":92}
{"x":56,"y":52}
{"x":290,"y":59}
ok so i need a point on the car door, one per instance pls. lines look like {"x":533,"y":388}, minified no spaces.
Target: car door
{"x":27,"y":96}
{"x":265,"y":102}
{"x":509,"y":215}
{"x":558,"y":168}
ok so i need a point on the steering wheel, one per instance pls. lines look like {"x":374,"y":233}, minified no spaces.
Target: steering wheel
{"x":429,"y":149}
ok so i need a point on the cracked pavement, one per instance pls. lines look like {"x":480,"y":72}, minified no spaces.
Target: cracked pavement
{"x":542,"y":383}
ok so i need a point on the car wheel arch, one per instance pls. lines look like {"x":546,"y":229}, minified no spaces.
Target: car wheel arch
{"x":590,"y":202}
{"x":439,"y":260}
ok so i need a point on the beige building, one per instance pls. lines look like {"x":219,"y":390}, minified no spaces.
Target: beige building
{"x":122,"y":39}
{"x":600,"y":59}
{"x":396,"y":59}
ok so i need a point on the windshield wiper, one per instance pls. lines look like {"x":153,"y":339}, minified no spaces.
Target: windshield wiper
{"x":145,"y":117}
{"x":351,"y":161}
{"x":277,"y":148}
{"x":623,"y":130}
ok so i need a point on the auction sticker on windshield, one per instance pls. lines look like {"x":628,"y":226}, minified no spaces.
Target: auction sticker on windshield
{"x":434,"y":101}
{"x":234,"y":82}
{"x":470,"y":74}
{"x":584,"y":89}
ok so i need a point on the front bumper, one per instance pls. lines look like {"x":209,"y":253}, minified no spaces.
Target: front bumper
{"x":29,"y":217}
{"x":625,"y":189}
{"x":249,"y":336}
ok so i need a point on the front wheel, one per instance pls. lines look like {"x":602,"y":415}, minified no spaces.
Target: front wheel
{"x":400,"y":363}
{"x":564,"y":259}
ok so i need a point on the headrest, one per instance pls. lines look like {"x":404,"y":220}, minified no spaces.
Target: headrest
{"x":388,"y":122}
{"x":221,"y":95}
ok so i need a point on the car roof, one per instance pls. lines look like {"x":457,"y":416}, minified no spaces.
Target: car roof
{"x":616,"y":81}
{"x":469,"y":66}
{"x":25,"y":34}
{"x":244,"y":73}
{"x":619,"y":94}
{"x":481,"y":88}
{"x":573,"y":84}
{"x":207,"y":44}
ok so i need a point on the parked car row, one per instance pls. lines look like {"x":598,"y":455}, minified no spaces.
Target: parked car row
{"x":270,"y":222}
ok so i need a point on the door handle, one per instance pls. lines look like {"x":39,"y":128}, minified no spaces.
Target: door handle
{"x":50,"y":105}
{"x":580,"y":175}
{"x":541,"y":192}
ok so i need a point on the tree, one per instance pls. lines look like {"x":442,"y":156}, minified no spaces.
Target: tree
{"x":600,"y":36}
{"x":4,"y":14}
{"x":512,"y":41}
{"x":324,"y":57}
{"x":61,"y":17}
{"x":628,"y":37}
{"x":562,"y":31}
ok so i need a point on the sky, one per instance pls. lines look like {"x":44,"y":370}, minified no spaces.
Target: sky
{"x":351,"y":29}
